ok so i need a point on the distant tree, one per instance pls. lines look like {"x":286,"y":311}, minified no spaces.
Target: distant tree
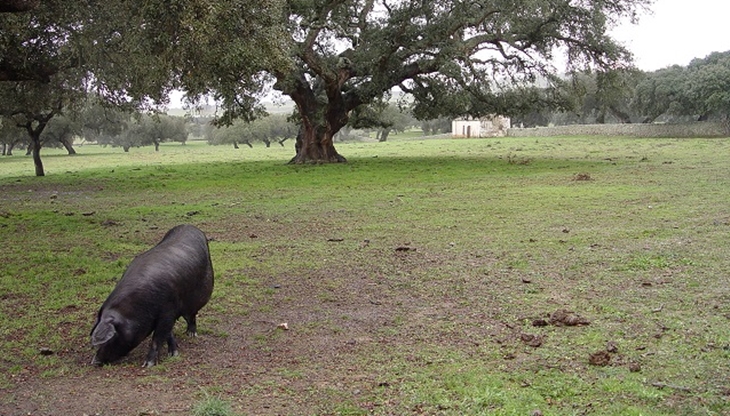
{"x":200,"y":126}
{"x":699,"y":91}
{"x":436,"y":126}
{"x":102,"y":123}
{"x":10,"y":135}
{"x":282,"y":128}
{"x":267,"y":130}
{"x":603,"y":96}
{"x":32,"y":105}
{"x":662,"y":92}
{"x":536,"y":106}
{"x":131,"y":135}
{"x":61,"y":129}
{"x":158,"y":128}
{"x":237,"y":132}
{"x":145,"y":130}
{"x":384,"y":116}
{"x":708,"y":87}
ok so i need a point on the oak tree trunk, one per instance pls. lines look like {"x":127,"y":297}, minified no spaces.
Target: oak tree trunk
{"x":315,"y":145}
{"x":35,"y":140}
{"x":323,"y":113}
{"x":384,"y":135}
{"x":37,"y":157}
{"x":69,"y":147}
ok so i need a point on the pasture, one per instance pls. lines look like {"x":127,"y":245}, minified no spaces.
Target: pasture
{"x":443,"y":277}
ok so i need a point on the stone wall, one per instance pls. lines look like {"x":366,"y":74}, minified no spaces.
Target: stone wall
{"x":686,"y":130}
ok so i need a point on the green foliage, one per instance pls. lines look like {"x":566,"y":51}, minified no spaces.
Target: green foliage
{"x":101,"y":123}
{"x":61,"y":131}
{"x":384,"y":116}
{"x":662,"y":92}
{"x":709,"y":85}
{"x":10,"y":134}
{"x":699,"y":90}
{"x":439,"y":125}
{"x":452,"y":58}
{"x":601,"y":97}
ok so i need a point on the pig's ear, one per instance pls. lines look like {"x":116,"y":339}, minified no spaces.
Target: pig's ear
{"x":103,"y":332}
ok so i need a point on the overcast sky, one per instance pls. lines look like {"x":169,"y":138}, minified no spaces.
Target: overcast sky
{"x":676,"y":32}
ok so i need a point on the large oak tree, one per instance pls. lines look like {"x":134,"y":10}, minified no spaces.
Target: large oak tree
{"x":452,"y":56}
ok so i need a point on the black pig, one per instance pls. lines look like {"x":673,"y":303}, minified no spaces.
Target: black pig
{"x":172,"y":279}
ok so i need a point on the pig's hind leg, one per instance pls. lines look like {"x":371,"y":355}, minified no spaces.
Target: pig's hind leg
{"x":192,"y":324}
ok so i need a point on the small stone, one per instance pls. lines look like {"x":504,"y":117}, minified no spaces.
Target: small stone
{"x":45,"y":351}
{"x":634,"y":367}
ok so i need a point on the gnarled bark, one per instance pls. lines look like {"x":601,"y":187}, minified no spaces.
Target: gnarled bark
{"x":315,"y":145}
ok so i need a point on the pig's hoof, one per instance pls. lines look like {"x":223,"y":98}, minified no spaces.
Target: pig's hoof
{"x":148,"y":364}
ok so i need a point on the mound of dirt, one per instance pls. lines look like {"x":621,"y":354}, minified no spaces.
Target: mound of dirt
{"x":563,"y":317}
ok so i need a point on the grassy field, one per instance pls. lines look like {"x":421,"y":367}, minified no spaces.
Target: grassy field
{"x":452,"y":277}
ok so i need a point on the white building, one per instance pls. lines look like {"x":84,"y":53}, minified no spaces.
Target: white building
{"x":491,"y":126}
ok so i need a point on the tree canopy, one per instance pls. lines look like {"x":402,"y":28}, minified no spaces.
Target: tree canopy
{"x":452,"y":57}
{"x":129,"y":53}
{"x":701,"y":90}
